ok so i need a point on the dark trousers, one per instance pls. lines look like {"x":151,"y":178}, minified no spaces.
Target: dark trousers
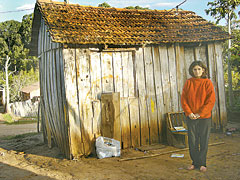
{"x":198,"y":135}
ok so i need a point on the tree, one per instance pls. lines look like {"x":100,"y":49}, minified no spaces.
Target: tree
{"x":14,"y":39}
{"x":136,"y":7}
{"x":221,"y":9}
{"x":105,"y":5}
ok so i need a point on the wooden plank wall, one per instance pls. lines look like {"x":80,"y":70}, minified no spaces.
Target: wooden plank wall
{"x":149,"y":81}
{"x":52,"y":93}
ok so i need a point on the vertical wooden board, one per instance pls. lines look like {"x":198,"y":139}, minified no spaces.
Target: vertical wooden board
{"x":44,"y":99}
{"x":76,"y":142}
{"x":84,"y":93}
{"x":54,"y":121}
{"x":165,"y":78}
{"x":63,"y":123}
{"x":48,"y":100}
{"x":135,"y":127}
{"x":181,"y":72}
{"x":212,"y":73}
{"x":63,"y":90}
{"x":125,"y":125}
{"x":125,"y":70}
{"x":107,"y":114}
{"x":40,"y":39}
{"x":221,"y":87}
{"x":151,"y":98}
{"x":118,"y":74}
{"x":189,"y":58}
{"x":173,"y":79}
{"x":110,"y":124}
{"x":131,"y":84}
{"x":141,"y":88}
{"x":96,"y":118}
{"x":58,"y":102}
{"x":45,"y":37}
{"x":95,"y":72}
{"x":200,"y":53}
{"x":107,"y":72}
{"x":158,"y":89}
{"x":96,"y":89}
{"x":117,"y":121}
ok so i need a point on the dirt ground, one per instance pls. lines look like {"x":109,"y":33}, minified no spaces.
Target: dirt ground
{"x":28,"y":158}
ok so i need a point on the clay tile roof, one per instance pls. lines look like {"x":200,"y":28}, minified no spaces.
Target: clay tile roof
{"x":75,"y":24}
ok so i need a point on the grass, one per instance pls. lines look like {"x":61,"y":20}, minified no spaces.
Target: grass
{"x":20,"y":136}
{"x":7,"y":117}
{"x":9,"y":120}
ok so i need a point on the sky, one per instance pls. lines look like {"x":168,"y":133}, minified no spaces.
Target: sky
{"x":8,"y":8}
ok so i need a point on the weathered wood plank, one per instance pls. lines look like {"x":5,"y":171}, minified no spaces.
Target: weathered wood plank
{"x":131,"y":85}
{"x":45,"y":38}
{"x":212,"y":73}
{"x":96,"y":89}
{"x":54,"y":122}
{"x":118,"y":73}
{"x":151,"y":98}
{"x":135,"y":126}
{"x":40,"y":39}
{"x":107,"y":72}
{"x":189,"y":58}
{"x":125,"y":125}
{"x":96,"y":118}
{"x":110,"y":124}
{"x":181,"y":72}
{"x":200,"y":53}
{"x":125,"y":76}
{"x":117,"y":121}
{"x":165,"y":78}
{"x":44,"y":100}
{"x":158,"y":88}
{"x":76,"y":140}
{"x":60,"y":104}
{"x":107,"y":113}
{"x":221,"y":87}
{"x":84,"y":94}
{"x":95,"y":72}
{"x":173,"y":79}
{"x":141,"y":89}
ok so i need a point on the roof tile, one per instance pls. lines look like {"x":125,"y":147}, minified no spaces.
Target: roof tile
{"x":75,"y":24}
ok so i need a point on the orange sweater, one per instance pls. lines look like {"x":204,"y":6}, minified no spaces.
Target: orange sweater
{"x":198,"y":97}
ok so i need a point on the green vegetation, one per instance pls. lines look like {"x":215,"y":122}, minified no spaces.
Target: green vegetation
{"x":105,"y":5}
{"x":227,"y":9}
{"x":20,"y":136}
{"x":136,"y":7}
{"x":9,"y":120}
{"x":14,"y":42}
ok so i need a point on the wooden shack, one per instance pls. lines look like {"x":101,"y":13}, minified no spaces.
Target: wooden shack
{"x":117,"y":72}
{"x":31,"y":91}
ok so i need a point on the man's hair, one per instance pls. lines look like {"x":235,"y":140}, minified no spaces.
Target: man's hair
{"x":202,"y":65}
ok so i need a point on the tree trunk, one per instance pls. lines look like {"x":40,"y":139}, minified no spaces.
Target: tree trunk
{"x":7,"y":85}
{"x":230,"y":91}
